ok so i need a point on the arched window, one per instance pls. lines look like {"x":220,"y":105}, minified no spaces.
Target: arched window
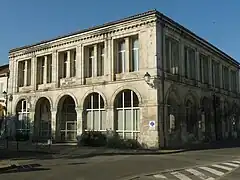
{"x":95,"y":118}
{"x":66,"y":119}
{"x":42,"y":118}
{"x":127,"y":114}
{"x":23,"y":116}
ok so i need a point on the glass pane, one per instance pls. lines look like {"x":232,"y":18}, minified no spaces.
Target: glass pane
{"x":128,"y":119}
{"x":71,"y":125}
{"x":96,"y":120}
{"x":71,"y":136}
{"x":128,"y":136}
{"x":136,"y":119}
{"x":120,"y":119}
{"x":62,"y":135}
{"x":103,"y":120}
{"x":135,"y":60}
{"x":89,"y":120}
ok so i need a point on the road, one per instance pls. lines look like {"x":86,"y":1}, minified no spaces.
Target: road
{"x":192,"y":165}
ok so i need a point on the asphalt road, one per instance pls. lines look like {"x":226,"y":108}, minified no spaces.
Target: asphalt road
{"x":128,"y":166}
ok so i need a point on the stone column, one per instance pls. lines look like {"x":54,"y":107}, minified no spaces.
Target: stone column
{"x":25,"y":72}
{"x":34,"y":72}
{"x":95,"y":64}
{"x":80,"y":126}
{"x":82,"y":64}
{"x":112,"y":58}
{"x":53,"y":123}
{"x":68,"y":63}
{"x":106,"y":58}
{"x":78,"y":61}
{"x":15,"y":75}
{"x":127,"y":55}
{"x":182,"y":59}
{"x":110,"y":118}
{"x":55,"y":68}
{"x":45,"y":70}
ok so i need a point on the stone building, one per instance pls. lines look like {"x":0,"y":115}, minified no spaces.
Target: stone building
{"x":145,"y":76}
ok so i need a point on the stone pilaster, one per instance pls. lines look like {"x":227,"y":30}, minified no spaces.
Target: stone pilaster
{"x":45,"y":70}
{"x":25,"y":72}
{"x":95,"y":64}
{"x":55,"y":68}
{"x":210,"y":70}
{"x":106,"y":58}
{"x":34,"y":72}
{"x":80,"y":126}
{"x":53,"y":123}
{"x":79,"y":61}
{"x":110,"y":118}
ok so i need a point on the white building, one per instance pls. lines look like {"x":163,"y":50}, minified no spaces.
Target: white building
{"x":144,"y":76}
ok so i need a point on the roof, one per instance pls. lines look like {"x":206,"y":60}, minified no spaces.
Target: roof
{"x":4,"y":70}
{"x":148,"y":13}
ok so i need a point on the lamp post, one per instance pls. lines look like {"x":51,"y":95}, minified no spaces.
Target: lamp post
{"x":5,"y":115}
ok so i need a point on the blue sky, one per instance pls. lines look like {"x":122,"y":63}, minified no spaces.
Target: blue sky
{"x":26,"y":22}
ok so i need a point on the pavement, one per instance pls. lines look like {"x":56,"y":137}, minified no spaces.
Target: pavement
{"x":126,"y":166}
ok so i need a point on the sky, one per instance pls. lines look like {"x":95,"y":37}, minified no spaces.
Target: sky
{"x":25,"y":22}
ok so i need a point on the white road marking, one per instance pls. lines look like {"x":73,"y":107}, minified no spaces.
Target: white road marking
{"x":222,"y":167}
{"x":213,"y":171}
{"x":238,"y":162}
{"x":160,"y":176}
{"x":199,"y":174}
{"x":180,"y":176}
{"x":231,"y":164}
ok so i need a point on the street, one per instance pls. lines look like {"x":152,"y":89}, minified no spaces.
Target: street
{"x":193,"y":165}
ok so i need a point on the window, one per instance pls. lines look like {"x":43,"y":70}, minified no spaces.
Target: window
{"x":233,"y":81}
{"x":23,"y":123}
{"x":225,"y":78}
{"x":100,"y":63}
{"x":41,"y":69}
{"x":134,"y":62}
{"x":21,"y":71}
{"x":127,"y":113}
{"x":65,"y":56}
{"x":29,"y":72}
{"x":121,"y":57}
{"x":49,"y":69}
{"x":190,"y":62}
{"x":91,"y":59}
{"x":215,"y":74}
{"x":95,"y":112}
{"x":73,"y":63}
{"x":204,"y":68}
{"x":172,"y":55}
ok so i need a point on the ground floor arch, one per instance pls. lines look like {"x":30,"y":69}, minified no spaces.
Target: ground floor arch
{"x":66,"y":125}
{"x":42,"y":120}
{"x":127,"y":114}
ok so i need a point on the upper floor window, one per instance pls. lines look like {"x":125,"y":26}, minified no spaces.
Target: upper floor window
{"x":24,"y":73}
{"x":190,"y":62}
{"x":204,"y":68}
{"x":49,"y":68}
{"x":233,"y":81}
{"x":172,"y":55}
{"x":225,"y":77}
{"x":73,"y":63}
{"x":215,"y":74}
{"x":134,"y":62}
{"x":120,"y":65}
{"x":91,"y":60}
{"x":100,"y":61}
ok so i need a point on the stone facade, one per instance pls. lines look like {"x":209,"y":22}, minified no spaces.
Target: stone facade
{"x":96,"y":80}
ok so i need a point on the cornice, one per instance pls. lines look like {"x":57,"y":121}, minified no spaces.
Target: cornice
{"x":90,"y":35}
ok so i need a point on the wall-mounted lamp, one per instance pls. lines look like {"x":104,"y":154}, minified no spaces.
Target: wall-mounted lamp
{"x":147,"y":77}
